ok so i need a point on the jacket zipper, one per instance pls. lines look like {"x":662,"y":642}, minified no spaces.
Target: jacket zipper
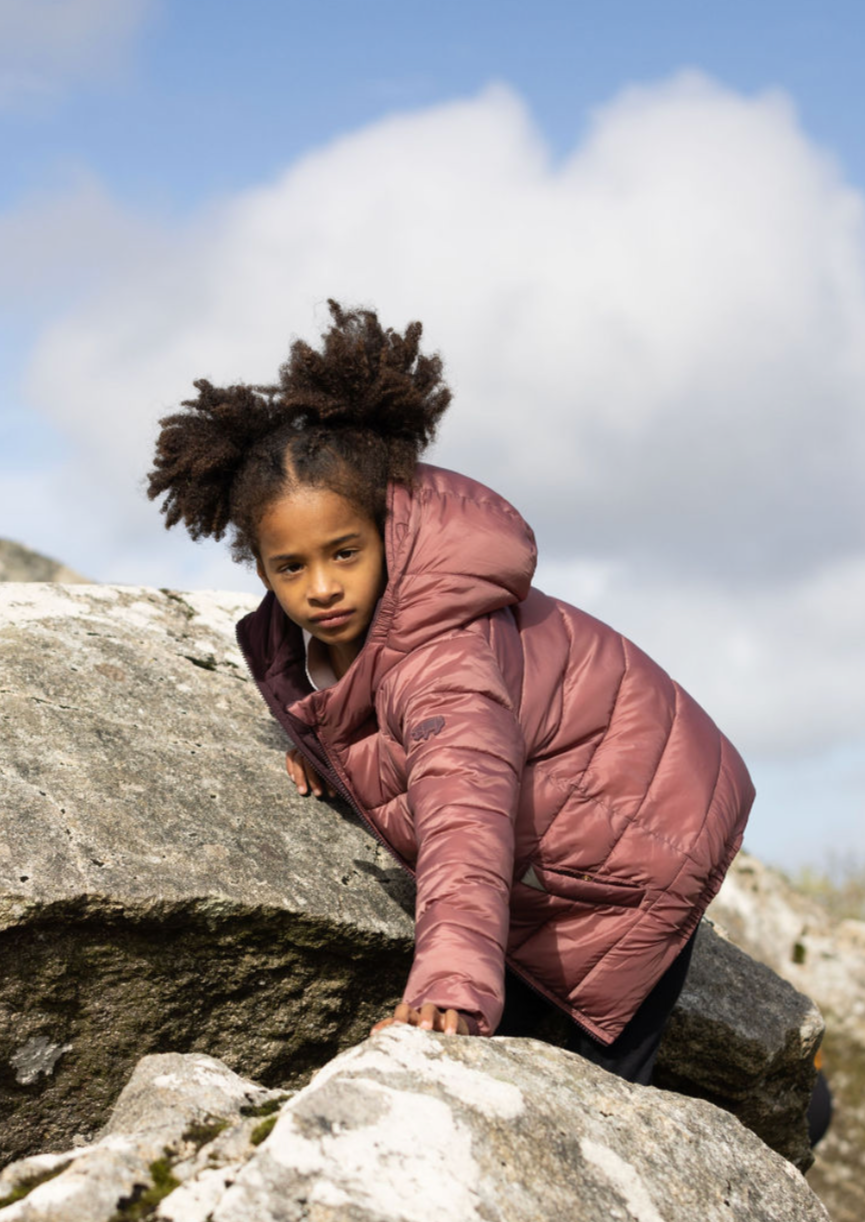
{"x":347,"y":797}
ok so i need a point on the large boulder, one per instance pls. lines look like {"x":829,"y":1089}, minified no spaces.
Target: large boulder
{"x":410,"y":1126}
{"x":162,"y":888}
{"x":745,"y":1039}
{"x":824,"y":958}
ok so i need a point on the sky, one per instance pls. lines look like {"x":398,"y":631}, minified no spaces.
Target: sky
{"x":634,"y":232}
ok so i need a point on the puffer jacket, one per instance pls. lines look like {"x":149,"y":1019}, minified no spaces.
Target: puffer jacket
{"x":561,"y":801}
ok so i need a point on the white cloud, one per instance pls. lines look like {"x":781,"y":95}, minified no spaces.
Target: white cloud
{"x":658,"y":348}
{"x":46,"y":43}
{"x":56,"y":248}
{"x":779,"y":667}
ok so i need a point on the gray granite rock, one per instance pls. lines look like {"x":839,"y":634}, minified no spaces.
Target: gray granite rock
{"x":172,"y":1093}
{"x":825,"y":958}
{"x":409,"y":1126}
{"x":160,"y":885}
{"x":172,"y":1107}
{"x":745,"y":1039}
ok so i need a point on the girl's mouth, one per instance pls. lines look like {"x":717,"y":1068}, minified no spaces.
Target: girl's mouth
{"x":334,"y":620}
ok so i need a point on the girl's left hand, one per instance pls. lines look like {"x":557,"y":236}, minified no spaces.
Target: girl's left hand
{"x":305,"y":777}
{"x":429,"y":1018}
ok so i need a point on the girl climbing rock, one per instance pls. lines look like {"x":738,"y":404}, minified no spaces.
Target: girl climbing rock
{"x":565,"y":806}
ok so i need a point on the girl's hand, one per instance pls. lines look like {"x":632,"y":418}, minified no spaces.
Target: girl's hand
{"x":305,"y":776}
{"x":428,"y":1018}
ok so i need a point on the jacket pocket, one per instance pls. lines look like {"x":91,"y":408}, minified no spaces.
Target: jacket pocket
{"x":584,"y":888}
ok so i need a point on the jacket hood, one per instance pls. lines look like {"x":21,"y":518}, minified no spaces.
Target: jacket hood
{"x":455,"y":551}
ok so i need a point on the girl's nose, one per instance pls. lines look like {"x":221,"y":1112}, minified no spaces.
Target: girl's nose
{"x":324,"y":585}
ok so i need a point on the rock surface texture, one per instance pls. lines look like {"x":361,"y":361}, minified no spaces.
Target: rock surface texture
{"x":744,"y":1039}
{"x":19,"y":563}
{"x":794,"y":935}
{"x":171,"y":1107}
{"x":162,"y":888}
{"x":406,"y":1127}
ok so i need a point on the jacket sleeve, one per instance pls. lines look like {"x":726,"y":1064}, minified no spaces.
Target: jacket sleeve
{"x":464,"y":755}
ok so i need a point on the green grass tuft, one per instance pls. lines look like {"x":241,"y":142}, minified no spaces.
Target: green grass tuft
{"x":263,"y":1109}
{"x":263,"y":1130}
{"x":144,"y":1200}
{"x":200,"y":1132}
{"x":25,"y":1187}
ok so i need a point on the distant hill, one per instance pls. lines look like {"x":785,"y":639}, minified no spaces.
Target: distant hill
{"x":19,"y":563}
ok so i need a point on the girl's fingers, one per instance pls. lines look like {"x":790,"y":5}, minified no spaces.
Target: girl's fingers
{"x":429,"y":1018}
{"x":313,"y":780}
{"x":319,"y":787}
{"x":402,"y":1014}
{"x":305,"y":777}
{"x":451,"y":1023}
{"x":294,"y":768}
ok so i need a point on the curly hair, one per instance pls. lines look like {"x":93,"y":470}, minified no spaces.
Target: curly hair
{"x":349,"y":417}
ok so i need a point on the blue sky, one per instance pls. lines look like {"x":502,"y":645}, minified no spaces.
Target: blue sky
{"x":205,"y":99}
{"x":635,"y":230}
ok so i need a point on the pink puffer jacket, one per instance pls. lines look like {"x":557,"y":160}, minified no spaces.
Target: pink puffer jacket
{"x":560,"y":799}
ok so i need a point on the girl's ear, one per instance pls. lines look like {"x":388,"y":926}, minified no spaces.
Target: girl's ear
{"x":259,"y":568}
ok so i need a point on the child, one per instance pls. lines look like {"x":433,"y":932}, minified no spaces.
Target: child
{"x":561,"y":802}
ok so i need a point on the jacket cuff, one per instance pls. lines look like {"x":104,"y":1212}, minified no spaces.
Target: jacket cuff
{"x":471,"y":1022}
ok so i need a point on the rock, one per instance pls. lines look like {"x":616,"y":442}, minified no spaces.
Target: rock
{"x":409,"y":1126}
{"x":162,"y":887}
{"x":794,"y":935}
{"x":172,"y":1093}
{"x":171,"y":1107}
{"x":752,"y":1057}
{"x":19,"y":563}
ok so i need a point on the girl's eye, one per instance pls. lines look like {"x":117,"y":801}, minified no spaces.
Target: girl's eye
{"x":291,"y":568}
{"x":346,"y":553}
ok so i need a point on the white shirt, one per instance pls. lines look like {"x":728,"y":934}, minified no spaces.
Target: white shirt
{"x":318,"y":668}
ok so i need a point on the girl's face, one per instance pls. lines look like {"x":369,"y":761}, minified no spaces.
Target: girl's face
{"x":324,"y":562}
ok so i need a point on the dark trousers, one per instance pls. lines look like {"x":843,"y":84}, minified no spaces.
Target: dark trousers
{"x":632,"y":1054}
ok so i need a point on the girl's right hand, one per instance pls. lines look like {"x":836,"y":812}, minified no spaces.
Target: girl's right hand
{"x":428,"y":1017}
{"x":305,"y":776}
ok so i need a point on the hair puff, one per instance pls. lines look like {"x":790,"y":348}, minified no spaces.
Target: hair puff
{"x":351,"y":416}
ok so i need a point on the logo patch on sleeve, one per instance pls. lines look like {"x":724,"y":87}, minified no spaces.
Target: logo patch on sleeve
{"x":427,"y":729}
